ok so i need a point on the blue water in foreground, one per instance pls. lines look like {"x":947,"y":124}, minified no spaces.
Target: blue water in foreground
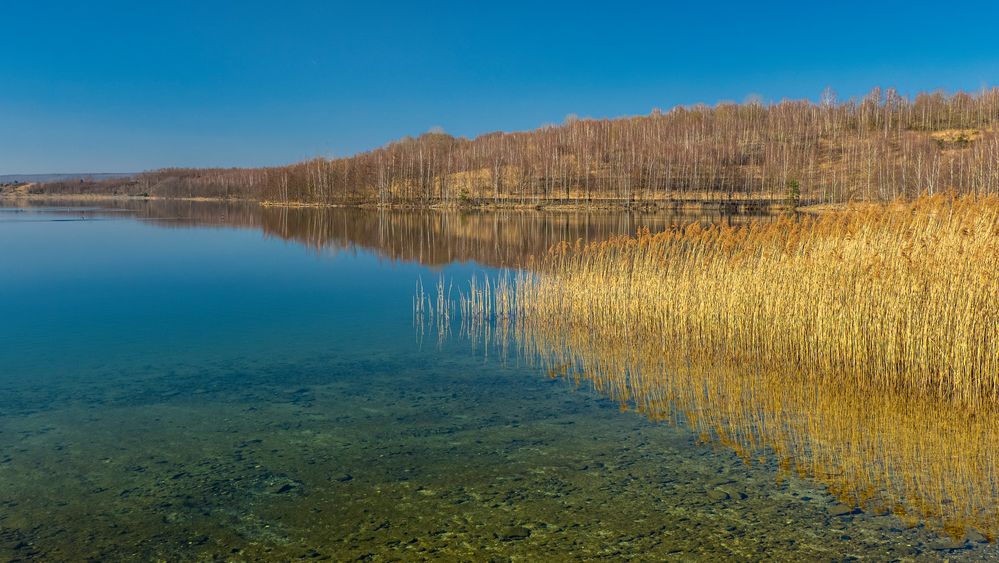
{"x":183,"y":385}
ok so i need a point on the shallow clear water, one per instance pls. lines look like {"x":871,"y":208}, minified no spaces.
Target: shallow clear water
{"x":197,"y":381}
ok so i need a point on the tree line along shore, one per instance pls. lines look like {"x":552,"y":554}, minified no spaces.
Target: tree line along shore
{"x":749,"y":155}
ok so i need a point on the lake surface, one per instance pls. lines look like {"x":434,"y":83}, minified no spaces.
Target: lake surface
{"x":198,"y":381}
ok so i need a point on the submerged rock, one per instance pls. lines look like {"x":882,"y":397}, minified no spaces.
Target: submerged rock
{"x":514,"y":533}
{"x":949,"y":544}
{"x":841,"y":510}
{"x":717,"y":495}
{"x":974,"y":536}
{"x":734,"y":492}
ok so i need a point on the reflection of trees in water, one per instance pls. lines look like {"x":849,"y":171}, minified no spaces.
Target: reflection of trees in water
{"x":162,"y":212}
{"x":180,"y":213}
{"x":430,"y":237}
{"x":437,"y":237}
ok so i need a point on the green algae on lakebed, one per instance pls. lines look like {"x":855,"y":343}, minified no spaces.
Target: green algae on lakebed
{"x":400,"y":458}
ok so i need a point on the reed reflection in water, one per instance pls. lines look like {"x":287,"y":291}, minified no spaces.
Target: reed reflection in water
{"x":926,"y":460}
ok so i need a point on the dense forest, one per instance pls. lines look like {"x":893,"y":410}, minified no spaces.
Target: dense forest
{"x":880,"y":147}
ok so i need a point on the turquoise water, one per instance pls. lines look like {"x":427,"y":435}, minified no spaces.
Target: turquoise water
{"x":207,"y":382}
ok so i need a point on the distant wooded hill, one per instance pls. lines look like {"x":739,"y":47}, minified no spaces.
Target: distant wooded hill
{"x":880,"y":147}
{"x":85,"y":176}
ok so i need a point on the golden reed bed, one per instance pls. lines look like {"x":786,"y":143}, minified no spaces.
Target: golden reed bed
{"x":861,"y":347}
{"x":903,"y":297}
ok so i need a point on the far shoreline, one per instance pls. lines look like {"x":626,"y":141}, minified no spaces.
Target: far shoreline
{"x":734,"y":206}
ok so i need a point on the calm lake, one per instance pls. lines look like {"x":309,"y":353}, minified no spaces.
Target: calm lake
{"x":200,"y":381}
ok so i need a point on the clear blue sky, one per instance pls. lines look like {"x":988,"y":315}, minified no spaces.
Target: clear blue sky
{"x":128,"y":86}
